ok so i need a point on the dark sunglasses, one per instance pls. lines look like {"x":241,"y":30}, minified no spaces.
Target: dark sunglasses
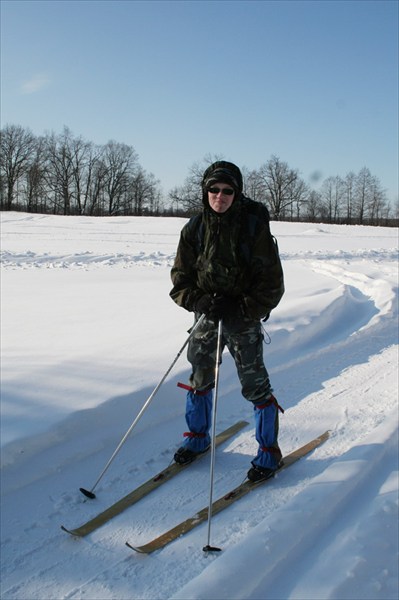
{"x":225,"y":191}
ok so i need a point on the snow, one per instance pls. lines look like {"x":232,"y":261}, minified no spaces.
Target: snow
{"x":88,"y":331}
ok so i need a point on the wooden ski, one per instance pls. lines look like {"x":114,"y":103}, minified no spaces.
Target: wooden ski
{"x":147,"y":487}
{"x":225,"y":501}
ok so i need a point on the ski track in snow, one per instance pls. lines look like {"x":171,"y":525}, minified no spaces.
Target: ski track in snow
{"x":89,"y":260}
{"x":324,"y":529}
{"x":84,"y":260}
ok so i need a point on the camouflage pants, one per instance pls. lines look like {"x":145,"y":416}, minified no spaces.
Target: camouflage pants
{"x":244,"y":340}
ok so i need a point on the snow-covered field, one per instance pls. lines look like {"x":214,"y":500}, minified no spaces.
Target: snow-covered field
{"x":88,"y":330}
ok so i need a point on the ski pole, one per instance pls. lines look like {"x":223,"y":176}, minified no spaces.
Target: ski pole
{"x":208,"y":547}
{"x":89,"y":493}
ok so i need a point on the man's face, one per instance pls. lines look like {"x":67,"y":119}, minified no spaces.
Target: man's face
{"x":220,"y":197}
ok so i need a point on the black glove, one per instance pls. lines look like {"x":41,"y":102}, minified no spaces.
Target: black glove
{"x":203,"y":304}
{"x":224,"y":307}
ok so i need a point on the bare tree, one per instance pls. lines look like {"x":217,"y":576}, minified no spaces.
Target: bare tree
{"x":253,"y":186}
{"x":377,"y":205}
{"x":61,"y":170}
{"x":82,"y":157}
{"x":363,"y":186}
{"x":348,"y":185}
{"x":312,"y":211}
{"x":298,"y":191}
{"x":332,"y":194}
{"x":188,"y":197}
{"x":279,"y":184}
{"x":142,"y":194}
{"x":94,"y":182}
{"x":36,"y":176}
{"x":16,"y":145}
{"x":120,"y":161}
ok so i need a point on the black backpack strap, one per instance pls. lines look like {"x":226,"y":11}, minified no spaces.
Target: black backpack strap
{"x":196,"y":231}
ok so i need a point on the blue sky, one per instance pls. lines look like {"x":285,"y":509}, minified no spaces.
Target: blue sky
{"x":313,"y":82}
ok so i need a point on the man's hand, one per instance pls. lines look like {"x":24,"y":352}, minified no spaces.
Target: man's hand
{"x":224,"y":307}
{"x":219,"y":306}
{"x":203,"y":305}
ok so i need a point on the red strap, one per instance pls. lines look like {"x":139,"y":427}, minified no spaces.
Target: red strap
{"x":271,"y":400}
{"x":191,"y":389}
{"x":191,"y":434}
{"x":272,"y":450}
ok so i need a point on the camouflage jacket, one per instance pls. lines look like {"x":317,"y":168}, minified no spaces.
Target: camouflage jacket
{"x":233,"y":254}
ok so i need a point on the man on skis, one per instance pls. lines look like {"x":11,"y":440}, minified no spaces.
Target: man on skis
{"x":227,"y":267}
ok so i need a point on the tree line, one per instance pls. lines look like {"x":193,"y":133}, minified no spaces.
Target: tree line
{"x":356,"y":198}
{"x":65,"y":174}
